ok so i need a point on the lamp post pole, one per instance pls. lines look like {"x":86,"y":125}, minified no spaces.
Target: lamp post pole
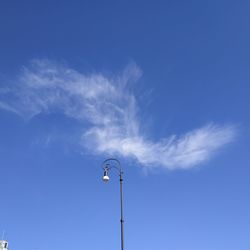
{"x":107,"y":165}
{"x":122,"y":220}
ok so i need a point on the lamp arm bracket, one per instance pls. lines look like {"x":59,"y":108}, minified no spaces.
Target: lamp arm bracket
{"x":107,"y":164}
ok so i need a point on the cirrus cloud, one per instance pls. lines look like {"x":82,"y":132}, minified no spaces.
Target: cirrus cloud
{"x":111,"y":112}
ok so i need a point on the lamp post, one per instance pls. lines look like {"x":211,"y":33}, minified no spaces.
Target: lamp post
{"x":107,"y":165}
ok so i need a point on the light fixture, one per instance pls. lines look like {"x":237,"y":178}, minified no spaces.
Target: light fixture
{"x":105,"y":177}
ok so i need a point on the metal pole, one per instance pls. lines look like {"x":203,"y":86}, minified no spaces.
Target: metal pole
{"x":106,"y":167}
{"x":122,"y":221}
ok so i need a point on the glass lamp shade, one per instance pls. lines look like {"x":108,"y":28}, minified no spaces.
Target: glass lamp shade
{"x":105,"y":177}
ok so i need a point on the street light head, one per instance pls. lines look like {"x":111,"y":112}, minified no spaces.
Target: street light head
{"x":105,"y":177}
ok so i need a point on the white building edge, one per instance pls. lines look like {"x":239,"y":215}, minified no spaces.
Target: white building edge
{"x":4,"y":245}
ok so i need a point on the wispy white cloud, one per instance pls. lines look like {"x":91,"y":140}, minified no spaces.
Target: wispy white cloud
{"x":9,"y":108}
{"x":110,"y":110}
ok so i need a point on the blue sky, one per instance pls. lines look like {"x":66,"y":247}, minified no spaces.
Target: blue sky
{"x":161,"y":85}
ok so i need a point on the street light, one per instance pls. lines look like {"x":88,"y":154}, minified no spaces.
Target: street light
{"x":105,"y":177}
{"x":107,"y":165}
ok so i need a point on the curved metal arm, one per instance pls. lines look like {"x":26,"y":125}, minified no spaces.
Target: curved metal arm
{"x":106,"y":165}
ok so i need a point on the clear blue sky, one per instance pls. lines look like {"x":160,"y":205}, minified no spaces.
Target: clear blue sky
{"x":163,"y":86}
